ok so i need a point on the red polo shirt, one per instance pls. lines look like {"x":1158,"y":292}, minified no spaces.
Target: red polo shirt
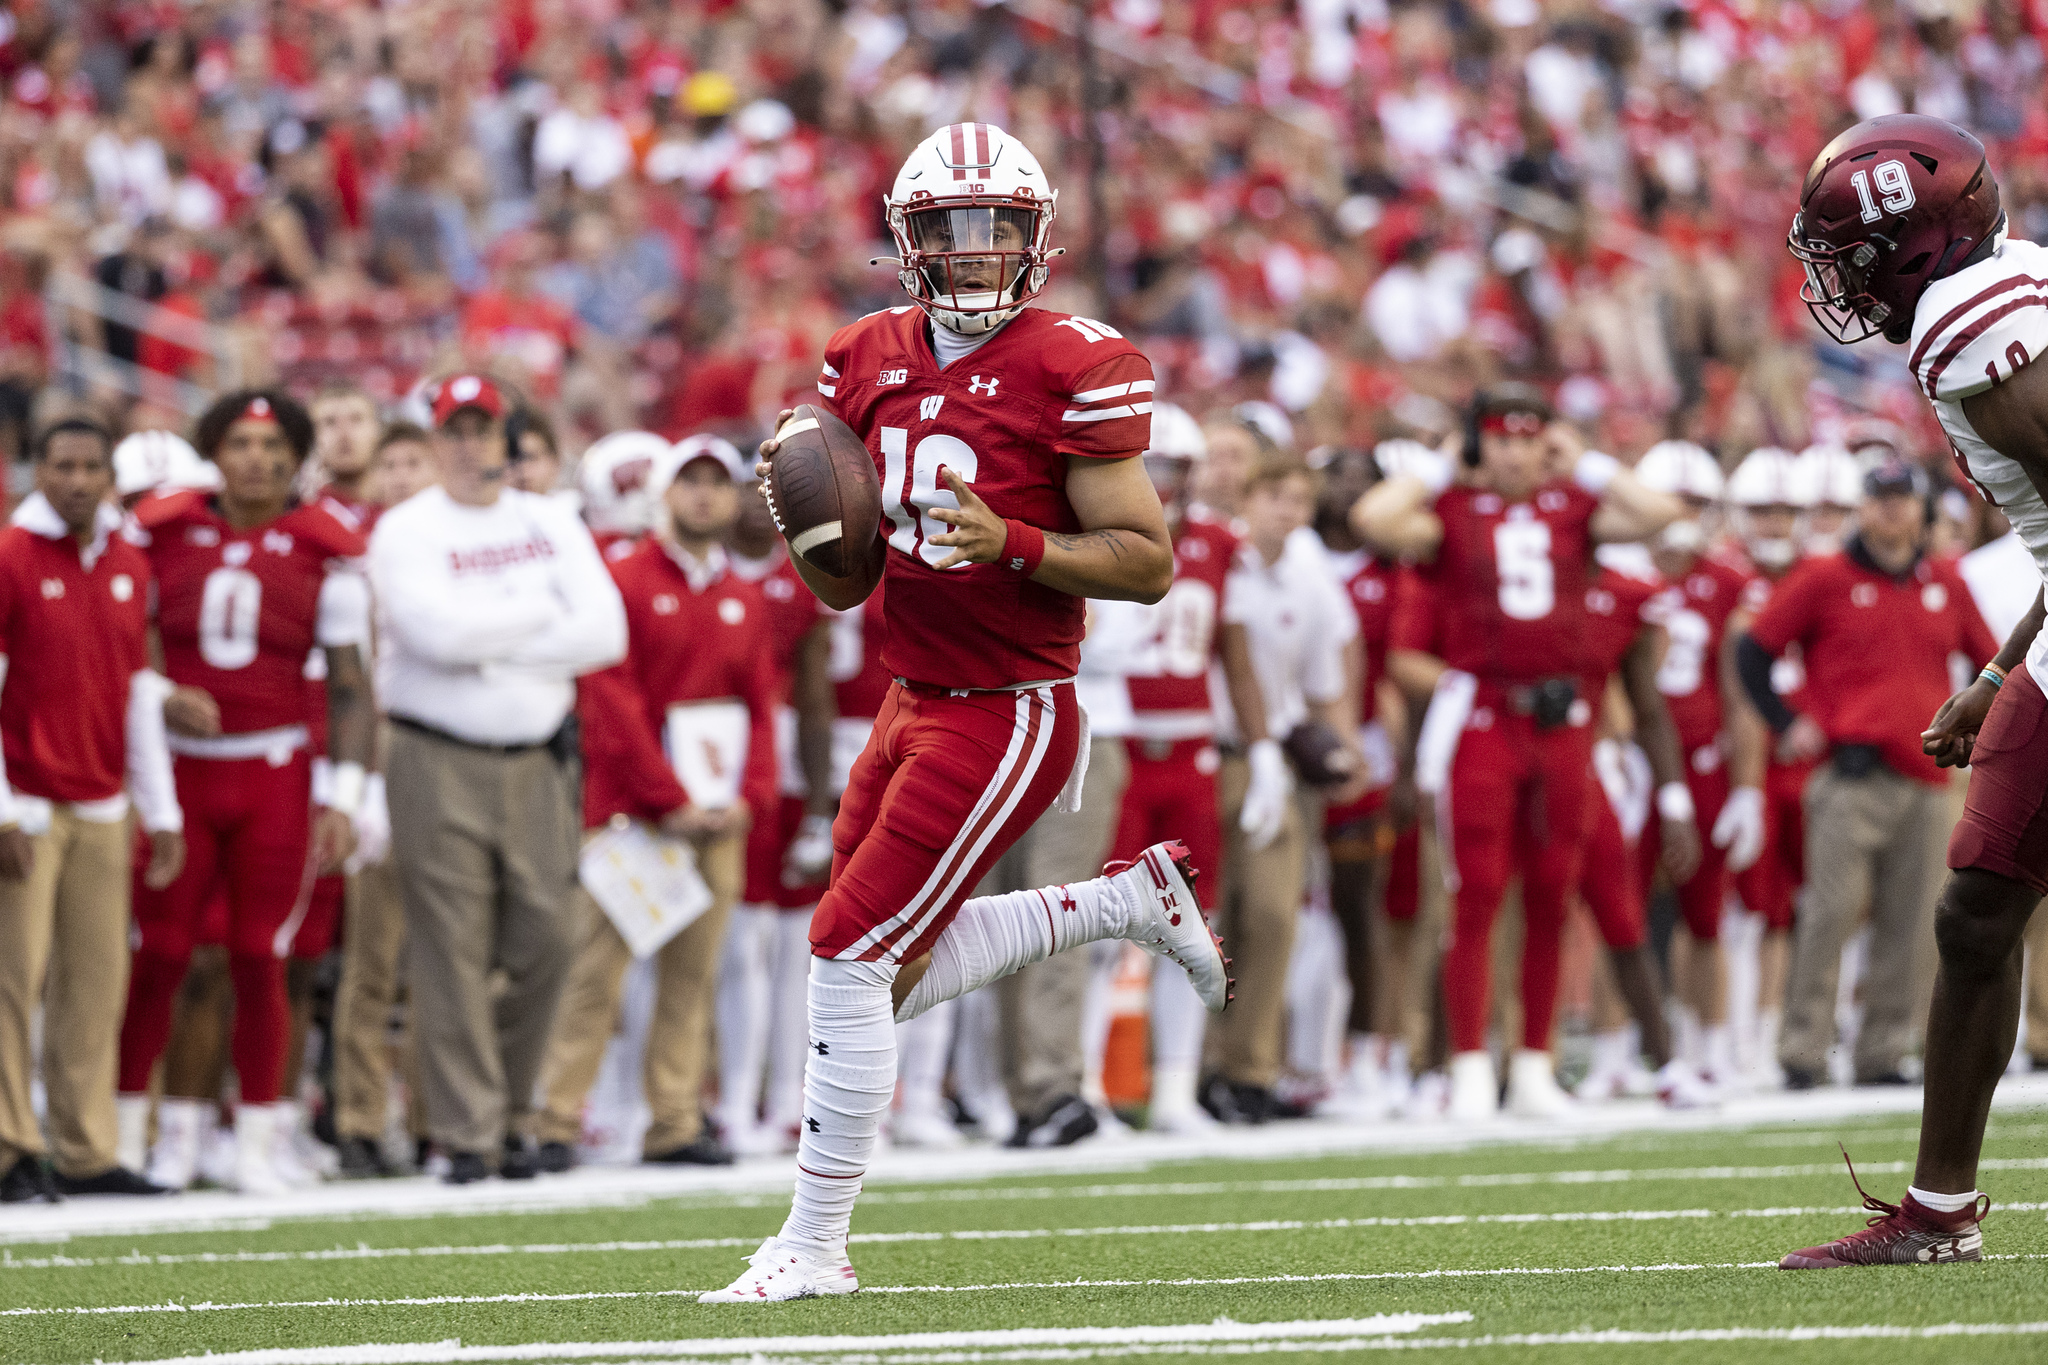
{"x":682,"y":645}
{"x":74,"y":637}
{"x":1876,"y":649}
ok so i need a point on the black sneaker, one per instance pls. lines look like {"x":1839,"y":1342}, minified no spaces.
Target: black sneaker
{"x":362,"y":1159}
{"x":1796,"y":1079}
{"x":517,"y":1161}
{"x":1888,"y":1078}
{"x":1064,"y":1121}
{"x":465,"y":1168}
{"x":703,"y":1150}
{"x":1219,"y":1098}
{"x":28,"y":1179}
{"x":1260,"y":1105}
{"x":556,"y":1158}
{"x":119,"y":1180}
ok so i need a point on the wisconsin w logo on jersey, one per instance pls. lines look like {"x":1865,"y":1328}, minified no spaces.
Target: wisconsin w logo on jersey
{"x":928,"y":408}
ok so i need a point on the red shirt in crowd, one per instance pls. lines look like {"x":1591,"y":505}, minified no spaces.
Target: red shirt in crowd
{"x":682,"y":645}
{"x":1876,"y":649}
{"x":74,"y":628}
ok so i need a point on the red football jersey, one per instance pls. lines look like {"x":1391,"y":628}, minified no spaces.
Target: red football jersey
{"x":1169,"y":673}
{"x":1618,"y":605}
{"x":1697,"y":611}
{"x":1006,"y":418}
{"x":860,"y":680}
{"x":791,"y":613}
{"x":1370,"y":581}
{"x":239,"y":610}
{"x":1512,"y":579}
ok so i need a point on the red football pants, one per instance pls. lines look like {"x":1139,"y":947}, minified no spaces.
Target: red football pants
{"x":1700,"y":899}
{"x":248,"y":832}
{"x":948,"y":781}
{"x":1770,"y":886}
{"x":1172,"y":795}
{"x":1608,"y":879}
{"x":1517,"y":801}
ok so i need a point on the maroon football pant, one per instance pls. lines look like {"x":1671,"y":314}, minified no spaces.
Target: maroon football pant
{"x":948,"y":781}
{"x":2004,"y":828}
{"x":1517,"y":801}
{"x":248,"y":834}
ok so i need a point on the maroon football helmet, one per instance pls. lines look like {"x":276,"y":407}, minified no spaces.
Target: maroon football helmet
{"x":1888,"y":208}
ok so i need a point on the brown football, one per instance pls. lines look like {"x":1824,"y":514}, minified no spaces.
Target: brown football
{"x":823,"y":490}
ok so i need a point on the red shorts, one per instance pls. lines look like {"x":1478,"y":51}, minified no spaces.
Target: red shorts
{"x":322,"y":924}
{"x":947,"y":783}
{"x":1172,"y":795}
{"x":768,"y":841}
{"x":1701,"y":898}
{"x":1770,"y":886}
{"x":1608,"y":879}
{"x":2004,"y":828}
{"x":248,"y":841}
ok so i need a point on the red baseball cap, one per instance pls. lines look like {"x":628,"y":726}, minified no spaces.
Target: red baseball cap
{"x":467,"y":391}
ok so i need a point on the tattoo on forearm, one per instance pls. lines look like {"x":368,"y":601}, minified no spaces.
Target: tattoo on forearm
{"x":1109,"y":540}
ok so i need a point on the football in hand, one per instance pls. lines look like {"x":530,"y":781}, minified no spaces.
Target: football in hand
{"x":822,"y":488}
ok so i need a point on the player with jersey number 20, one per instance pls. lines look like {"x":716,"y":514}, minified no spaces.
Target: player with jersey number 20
{"x":1007,"y":440}
{"x":1902,"y":235}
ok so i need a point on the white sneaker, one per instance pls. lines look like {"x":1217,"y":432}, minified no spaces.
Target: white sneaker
{"x":174,"y":1161}
{"x":1173,"y":1108}
{"x":218,"y":1153}
{"x":256,"y":1169}
{"x":1426,"y":1099}
{"x":1475,"y":1088}
{"x":1161,"y":881}
{"x":1533,"y":1091}
{"x":923,"y":1125}
{"x":784,"y":1269}
{"x":1361,"y":1093}
{"x":286,"y":1156}
{"x":1680,"y":1087}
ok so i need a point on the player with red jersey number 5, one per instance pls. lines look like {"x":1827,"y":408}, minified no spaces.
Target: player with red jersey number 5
{"x":1007,"y":439}
{"x":1902,"y":235}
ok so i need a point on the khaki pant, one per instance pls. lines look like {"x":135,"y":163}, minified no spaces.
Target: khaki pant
{"x":678,"y":1038}
{"x":1870,"y":842}
{"x":2037,"y":988}
{"x":1041,"y":1005}
{"x":485,"y":844}
{"x":64,"y":945}
{"x":371,"y":950}
{"x":1256,"y":916}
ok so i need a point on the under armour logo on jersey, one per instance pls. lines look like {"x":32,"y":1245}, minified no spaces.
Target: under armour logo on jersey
{"x":928,"y":408}
{"x":53,"y":588}
{"x":979,"y":385}
{"x":821,"y":1049}
{"x":812,"y":1124}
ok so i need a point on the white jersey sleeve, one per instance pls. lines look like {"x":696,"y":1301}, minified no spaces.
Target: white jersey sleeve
{"x":1973,"y":329}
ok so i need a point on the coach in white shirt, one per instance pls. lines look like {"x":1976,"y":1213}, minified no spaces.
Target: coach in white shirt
{"x":490,"y":603}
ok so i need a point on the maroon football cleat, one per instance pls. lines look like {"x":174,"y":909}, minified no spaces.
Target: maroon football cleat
{"x":1905,"y":1233}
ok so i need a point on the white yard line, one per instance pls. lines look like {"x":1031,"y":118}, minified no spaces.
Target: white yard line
{"x":1222,"y":1337}
{"x":8,"y":1261}
{"x":768,"y":1181}
{"x":1326,"y":1277}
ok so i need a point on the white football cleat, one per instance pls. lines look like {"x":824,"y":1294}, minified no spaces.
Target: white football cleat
{"x":1533,"y":1091}
{"x":922,"y":1124}
{"x":256,"y":1169}
{"x":785,"y":1269}
{"x":1680,"y":1087}
{"x":1160,"y":882}
{"x":1475,"y":1088}
{"x":180,"y":1126}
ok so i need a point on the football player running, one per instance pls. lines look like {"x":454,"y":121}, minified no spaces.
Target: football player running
{"x":1902,"y":236}
{"x":1007,"y":440}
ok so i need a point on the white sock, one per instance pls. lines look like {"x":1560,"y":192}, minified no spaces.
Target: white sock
{"x":1611,"y":1052}
{"x":922,"y":1048}
{"x":993,"y":936}
{"x":1179,"y":1019}
{"x":789,"y":1042}
{"x":741,"y":1007}
{"x":1942,"y":1203}
{"x":848,"y":1083}
{"x":1717,"y":1044}
{"x":1096,"y":1018}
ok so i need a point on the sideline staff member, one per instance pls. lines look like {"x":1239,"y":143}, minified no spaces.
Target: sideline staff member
{"x":491,"y":602}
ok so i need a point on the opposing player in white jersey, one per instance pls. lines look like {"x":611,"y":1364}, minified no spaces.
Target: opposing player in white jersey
{"x":1901,"y":233}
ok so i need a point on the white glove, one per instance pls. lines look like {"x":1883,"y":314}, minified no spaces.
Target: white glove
{"x":373,"y":826}
{"x":1399,"y":457}
{"x":810,"y":853}
{"x":1265,"y":799}
{"x":1740,"y":828}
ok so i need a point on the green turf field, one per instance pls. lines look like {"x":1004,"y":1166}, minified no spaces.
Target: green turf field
{"x":1507,"y":1252}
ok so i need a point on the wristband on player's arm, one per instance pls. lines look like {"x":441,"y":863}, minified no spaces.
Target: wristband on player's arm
{"x":1023,"y":546}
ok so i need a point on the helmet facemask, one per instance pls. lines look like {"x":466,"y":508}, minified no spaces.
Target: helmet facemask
{"x":972,"y":261}
{"x":1836,"y":291}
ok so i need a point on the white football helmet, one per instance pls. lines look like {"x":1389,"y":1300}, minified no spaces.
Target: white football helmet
{"x":971,"y":194}
{"x":152,"y":460}
{"x":1831,"y":477}
{"x":616,"y":476}
{"x":1769,"y":478}
{"x":1683,"y":468}
{"x":1176,"y":434}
